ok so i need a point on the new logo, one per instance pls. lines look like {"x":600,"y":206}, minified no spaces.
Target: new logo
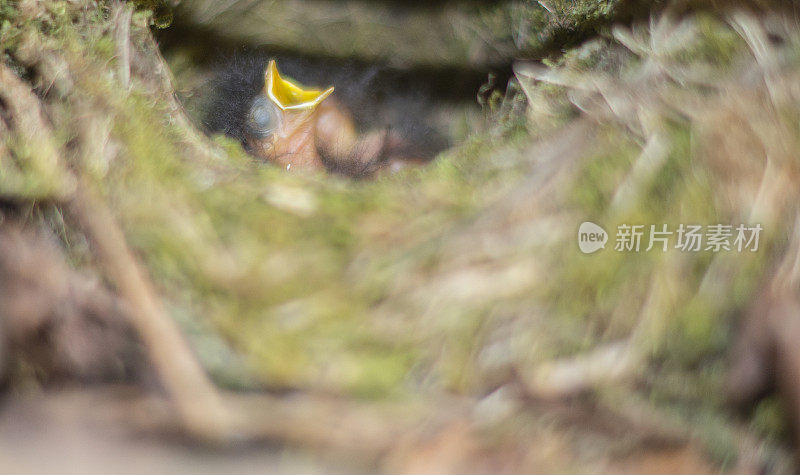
{"x":591,"y":237}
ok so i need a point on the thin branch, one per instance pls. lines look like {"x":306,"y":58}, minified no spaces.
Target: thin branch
{"x":122,"y":30}
{"x":188,"y":386}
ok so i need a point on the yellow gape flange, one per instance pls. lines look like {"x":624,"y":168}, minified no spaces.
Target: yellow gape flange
{"x":288,"y":95}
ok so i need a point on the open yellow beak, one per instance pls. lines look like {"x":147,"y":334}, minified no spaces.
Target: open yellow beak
{"x":290,"y":96}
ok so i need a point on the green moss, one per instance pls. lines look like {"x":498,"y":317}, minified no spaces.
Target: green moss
{"x":162,"y":14}
{"x":770,"y":420}
{"x":717,"y":46}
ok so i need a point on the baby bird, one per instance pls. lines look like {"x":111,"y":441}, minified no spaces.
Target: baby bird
{"x":280,"y":121}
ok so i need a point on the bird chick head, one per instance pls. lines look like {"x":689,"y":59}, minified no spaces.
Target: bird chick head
{"x":281,"y":123}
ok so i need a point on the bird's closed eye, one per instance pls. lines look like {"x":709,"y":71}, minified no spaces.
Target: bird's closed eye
{"x":262,"y":118}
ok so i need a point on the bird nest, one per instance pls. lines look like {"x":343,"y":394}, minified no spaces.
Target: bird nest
{"x":442,"y":316}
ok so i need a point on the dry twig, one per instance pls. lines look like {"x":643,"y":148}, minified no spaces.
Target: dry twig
{"x":184,"y":379}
